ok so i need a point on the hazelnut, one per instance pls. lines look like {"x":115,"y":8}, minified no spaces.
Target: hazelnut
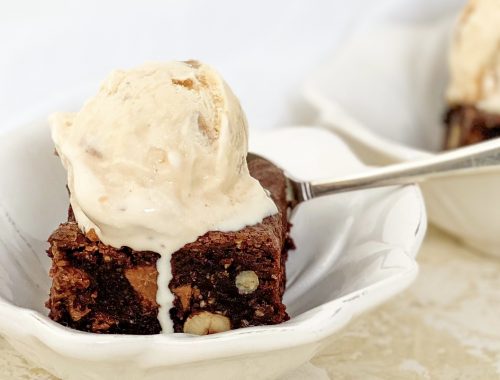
{"x":247,"y":282}
{"x":205,"y":323}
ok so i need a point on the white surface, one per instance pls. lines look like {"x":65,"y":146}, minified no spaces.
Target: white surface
{"x":384,"y":93}
{"x":355,"y":251}
{"x":445,"y":326}
{"x":263,"y":48}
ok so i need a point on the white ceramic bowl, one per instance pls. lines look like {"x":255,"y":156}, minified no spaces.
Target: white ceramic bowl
{"x":354,"y":251}
{"x":383,"y":92}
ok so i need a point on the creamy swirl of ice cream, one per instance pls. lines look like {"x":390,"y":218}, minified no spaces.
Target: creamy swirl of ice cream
{"x":157,"y":159}
{"x":474,"y":59}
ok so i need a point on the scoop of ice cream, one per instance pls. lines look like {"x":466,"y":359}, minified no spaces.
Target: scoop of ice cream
{"x":158,"y":158}
{"x":474,"y":59}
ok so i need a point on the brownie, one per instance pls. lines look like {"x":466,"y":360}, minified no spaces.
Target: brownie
{"x":467,"y":125}
{"x":221,"y":281}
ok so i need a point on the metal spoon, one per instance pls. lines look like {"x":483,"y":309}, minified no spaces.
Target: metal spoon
{"x":481,"y":156}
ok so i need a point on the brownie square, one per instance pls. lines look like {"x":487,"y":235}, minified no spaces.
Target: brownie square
{"x":222,"y":281}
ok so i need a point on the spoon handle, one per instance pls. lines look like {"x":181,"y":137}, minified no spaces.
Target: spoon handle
{"x":485,"y":155}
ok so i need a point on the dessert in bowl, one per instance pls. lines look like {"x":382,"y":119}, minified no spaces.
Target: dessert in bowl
{"x":169,"y":228}
{"x":409,"y":68}
{"x":354,"y":251}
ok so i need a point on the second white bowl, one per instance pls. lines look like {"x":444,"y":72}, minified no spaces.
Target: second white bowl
{"x":384,"y":92}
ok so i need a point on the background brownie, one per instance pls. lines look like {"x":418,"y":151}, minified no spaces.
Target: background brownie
{"x":468,"y":125}
{"x":221,"y":281}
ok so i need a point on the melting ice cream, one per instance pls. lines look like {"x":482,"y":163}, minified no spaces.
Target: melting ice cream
{"x":158,"y":158}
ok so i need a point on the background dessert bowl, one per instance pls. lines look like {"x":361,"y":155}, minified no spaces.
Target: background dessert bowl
{"x":355,"y":251}
{"x":384,"y":93}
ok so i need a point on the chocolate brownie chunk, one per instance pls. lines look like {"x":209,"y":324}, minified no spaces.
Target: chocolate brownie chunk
{"x":222,"y":281}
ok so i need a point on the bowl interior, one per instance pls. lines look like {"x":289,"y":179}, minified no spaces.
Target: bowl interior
{"x":345,"y":243}
{"x":391,"y":75}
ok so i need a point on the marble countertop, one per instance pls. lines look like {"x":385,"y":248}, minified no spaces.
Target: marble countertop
{"x":445,"y":326}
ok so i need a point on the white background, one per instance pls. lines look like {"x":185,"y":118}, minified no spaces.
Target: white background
{"x":263,"y":48}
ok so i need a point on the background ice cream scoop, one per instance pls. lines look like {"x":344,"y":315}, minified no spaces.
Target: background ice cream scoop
{"x":475,"y":57}
{"x":158,"y":158}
